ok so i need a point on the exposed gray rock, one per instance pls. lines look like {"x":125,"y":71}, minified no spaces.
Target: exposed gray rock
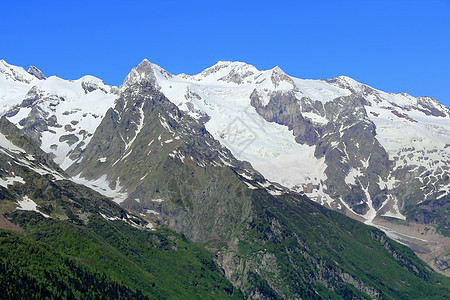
{"x":36,"y":73}
{"x":70,"y":139}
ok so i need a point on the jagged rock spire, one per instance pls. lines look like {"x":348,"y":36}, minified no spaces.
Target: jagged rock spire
{"x":36,"y":73}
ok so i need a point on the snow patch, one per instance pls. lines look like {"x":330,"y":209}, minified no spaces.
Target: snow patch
{"x":389,"y":183}
{"x":27,"y":204}
{"x":250,"y":186}
{"x":275,"y":192}
{"x":158,"y":200}
{"x":315,"y":118}
{"x":248,"y":177}
{"x":350,"y":179}
{"x":371,"y":213}
{"x":102,"y":185}
{"x":4,"y":182}
{"x":109,"y":218}
{"x":143,"y":177}
{"x":6,"y":144}
{"x":396,"y":214}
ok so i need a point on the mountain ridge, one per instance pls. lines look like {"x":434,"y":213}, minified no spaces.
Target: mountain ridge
{"x":344,"y":144}
{"x":267,"y":241}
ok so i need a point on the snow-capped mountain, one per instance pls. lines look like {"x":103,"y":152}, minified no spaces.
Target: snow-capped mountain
{"x":191,"y":184}
{"x":60,"y":115}
{"x":344,"y":144}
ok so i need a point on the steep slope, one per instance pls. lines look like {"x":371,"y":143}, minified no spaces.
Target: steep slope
{"x":330,"y":119}
{"x":378,"y":157}
{"x":167,"y":167}
{"x":345,"y":145}
{"x":153,"y":157}
{"x":32,"y":270}
{"x":81,"y":244}
{"x":355,"y":142}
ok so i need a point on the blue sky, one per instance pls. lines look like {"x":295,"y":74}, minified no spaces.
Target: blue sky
{"x":395,"y":46}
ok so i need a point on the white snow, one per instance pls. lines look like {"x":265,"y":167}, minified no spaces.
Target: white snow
{"x":315,"y":118}
{"x":143,"y":177}
{"x":390,"y":183}
{"x":319,"y":90}
{"x":27,"y":204}
{"x":352,"y":175}
{"x":275,"y":192}
{"x":269,"y":147}
{"x":371,"y":213}
{"x":400,"y":135}
{"x":250,"y":186}
{"x":109,"y":218}
{"x":158,"y":200}
{"x":318,"y":195}
{"x":23,"y":113}
{"x":4,"y":182}
{"x":22,"y":158}
{"x":165,"y":124}
{"x":65,"y":99}
{"x":396,"y":214}
{"x":6,"y":144}
{"x":14,"y":85}
{"x":102,"y":185}
{"x":248,"y":177}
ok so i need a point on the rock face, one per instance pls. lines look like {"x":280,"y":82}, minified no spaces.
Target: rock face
{"x":36,"y":73}
{"x":353,"y":155}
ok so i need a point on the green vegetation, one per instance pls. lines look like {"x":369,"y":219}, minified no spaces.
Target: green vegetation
{"x":161,"y":264}
{"x":33,"y":270}
{"x":318,"y":250}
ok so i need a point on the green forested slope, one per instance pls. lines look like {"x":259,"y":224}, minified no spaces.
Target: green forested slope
{"x":33,"y":270}
{"x":106,"y":258}
{"x":320,"y":253}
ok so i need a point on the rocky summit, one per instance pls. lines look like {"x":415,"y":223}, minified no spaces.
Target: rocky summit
{"x":257,"y":166}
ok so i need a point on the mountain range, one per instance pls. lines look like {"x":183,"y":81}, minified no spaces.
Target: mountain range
{"x":232,"y":157}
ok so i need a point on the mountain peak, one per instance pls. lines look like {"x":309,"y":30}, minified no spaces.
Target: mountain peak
{"x":145,"y":71}
{"x":278,"y":70}
{"x":15,"y":73}
{"x":145,"y":63}
{"x":36,"y":73}
{"x":229,"y":71}
{"x":345,"y":82}
{"x":235,"y":64}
